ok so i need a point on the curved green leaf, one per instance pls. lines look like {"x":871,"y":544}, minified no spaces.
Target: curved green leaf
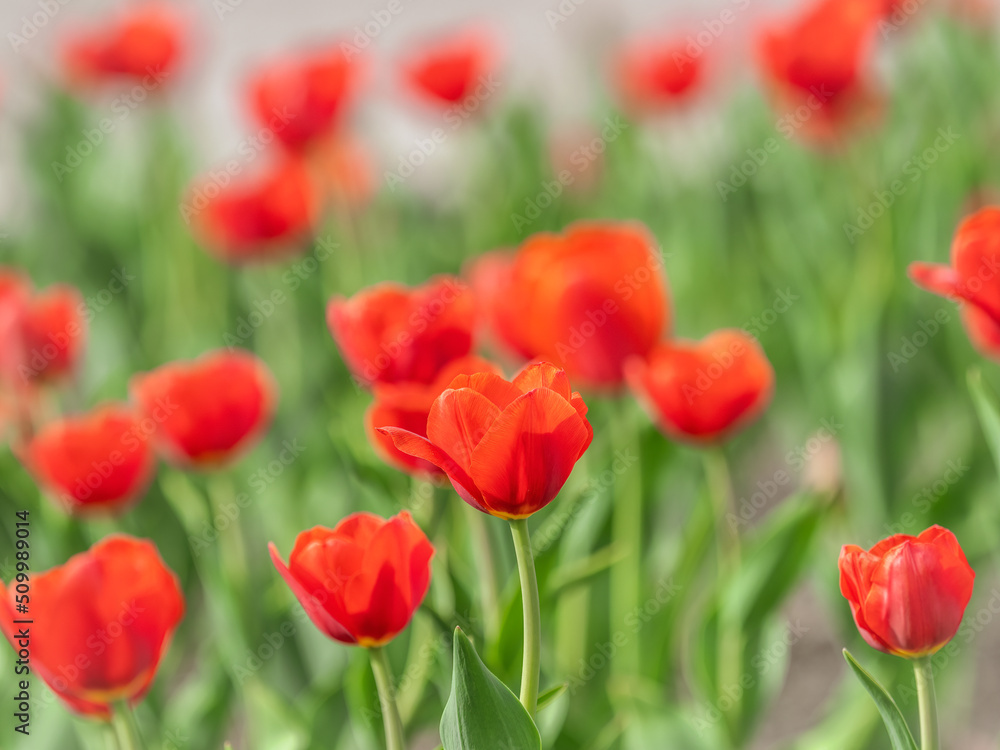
{"x":895,"y":724}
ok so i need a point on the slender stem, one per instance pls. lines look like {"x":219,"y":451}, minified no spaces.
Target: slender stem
{"x":387,"y":697}
{"x":923,"y":670}
{"x":126,"y":728}
{"x":627,"y":575}
{"x":531,"y":666}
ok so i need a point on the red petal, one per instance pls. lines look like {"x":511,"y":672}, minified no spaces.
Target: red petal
{"x":320,"y":617}
{"x":420,"y":447}
{"x":544,"y":375}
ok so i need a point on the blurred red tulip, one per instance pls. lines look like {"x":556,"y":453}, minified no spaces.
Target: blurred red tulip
{"x":657,"y":73}
{"x":407,"y":405}
{"x":101,"y":623}
{"x":53,"y":334}
{"x":587,"y":299}
{"x":703,"y":391}
{"x":262,"y":218}
{"x":907,"y":593}
{"x":15,"y":293}
{"x":303,"y":98}
{"x":95,"y":462}
{"x":361,"y":582}
{"x":208,"y":411}
{"x":507,"y":448}
{"x":144,"y":43}
{"x":450,"y":70}
{"x":973,"y":278}
{"x":389,"y":333}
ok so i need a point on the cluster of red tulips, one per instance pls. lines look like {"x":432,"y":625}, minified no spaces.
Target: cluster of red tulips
{"x":586,"y":308}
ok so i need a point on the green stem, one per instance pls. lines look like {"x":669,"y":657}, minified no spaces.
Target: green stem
{"x":626,"y":532}
{"x":125,"y":727}
{"x":923,"y":670}
{"x":387,"y":697}
{"x":531,"y":666}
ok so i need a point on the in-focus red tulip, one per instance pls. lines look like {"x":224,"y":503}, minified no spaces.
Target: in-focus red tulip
{"x":449,"y":71}
{"x":360,"y":582}
{"x":655,"y":74}
{"x":407,"y":405}
{"x":302,"y":98}
{"x":101,"y":461}
{"x":507,"y":447}
{"x":587,"y":299}
{"x":703,"y":391}
{"x":973,"y":278}
{"x":263,"y":217}
{"x":907,"y":593}
{"x":207,"y":412}
{"x":144,"y":43}
{"x":54,"y":332}
{"x":389,"y":333}
{"x":101,"y":623}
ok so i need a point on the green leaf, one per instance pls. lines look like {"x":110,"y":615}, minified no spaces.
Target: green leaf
{"x":550,"y":695}
{"x":989,"y":414}
{"x":895,"y":724}
{"x":482,"y":713}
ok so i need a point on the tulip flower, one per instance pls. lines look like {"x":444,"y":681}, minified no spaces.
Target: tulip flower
{"x":100,"y":461}
{"x":53,"y":333}
{"x":302,"y":98}
{"x":657,"y":73}
{"x":586,"y":300}
{"x":703,"y":391}
{"x":101,"y":623}
{"x":972,"y":279}
{"x":15,"y":292}
{"x":209,"y":411}
{"x":360,"y":583}
{"x":407,"y":405}
{"x":390,"y":334}
{"x":261,"y":218}
{"x":145,"y":43}
{"x":448,"y":72}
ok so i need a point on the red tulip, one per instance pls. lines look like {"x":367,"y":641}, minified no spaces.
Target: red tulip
{"x":703,"y":391}
{"x":361,"y":582}
{"x":53,"y":334}
{"x":261,"y":218}
{"x":507,"y":447}
{"x":449,"y":71}
{"x":973,"y":278}
{"x":15,"y":293}
{"x":907,"y":593}
{"x":208,"y":411}
{"x":101,"y":623}
{"x":657,"y":73}
{"x":100,"y":461}
{"x":587,"y":299}
{"x":391,"y":334}
{"x":144,"y":43}
{"x":303,"y":98}
{"x":407,"y":405}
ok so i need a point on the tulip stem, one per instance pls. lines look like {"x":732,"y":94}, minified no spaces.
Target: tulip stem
{"x":387,"y":698}
{"x":531,"y":665}
{"x":126,"y":729}
{"x":923,"y":670}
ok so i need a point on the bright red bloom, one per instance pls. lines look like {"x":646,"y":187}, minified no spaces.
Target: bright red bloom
{"x":261,"y":218}
{"x":99,"y":461}
{"x":53,"y":334}
{"x":303,"y":98}
{"x":450,"y":70}
{"x":144,"y":43}
{"x":208,"y":411}
{"x":507,"y":447}
{"x":973,"y":278}
{"x":407,"y":405}
{"x":361,"y":582}
{"x":907,"y":593}
{"x":587,"y":299}
{"x":102,"y":623}
{"x":389,"y":333}
{"x":703,"y":391}
{"x":657,"y":73}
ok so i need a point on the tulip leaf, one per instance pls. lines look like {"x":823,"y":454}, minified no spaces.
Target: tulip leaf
{"x":985,"y":401}
{"x":895,"y":724}
{"x":482,"y":713}
{"x":550,"y":695}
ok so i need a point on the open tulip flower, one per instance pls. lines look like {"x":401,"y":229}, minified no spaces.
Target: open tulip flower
{"x":587,"y":299}
{"x":972,"y":279}
{"x":507,"y":447}
{"x":657,"y":74}
{"x":101,"y":623}
{"x":448,"y":71}
{"x":209,"y":411}
{"x":389,"y":333}
{"x":95,"y":462}
{"x":703,"y":391}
